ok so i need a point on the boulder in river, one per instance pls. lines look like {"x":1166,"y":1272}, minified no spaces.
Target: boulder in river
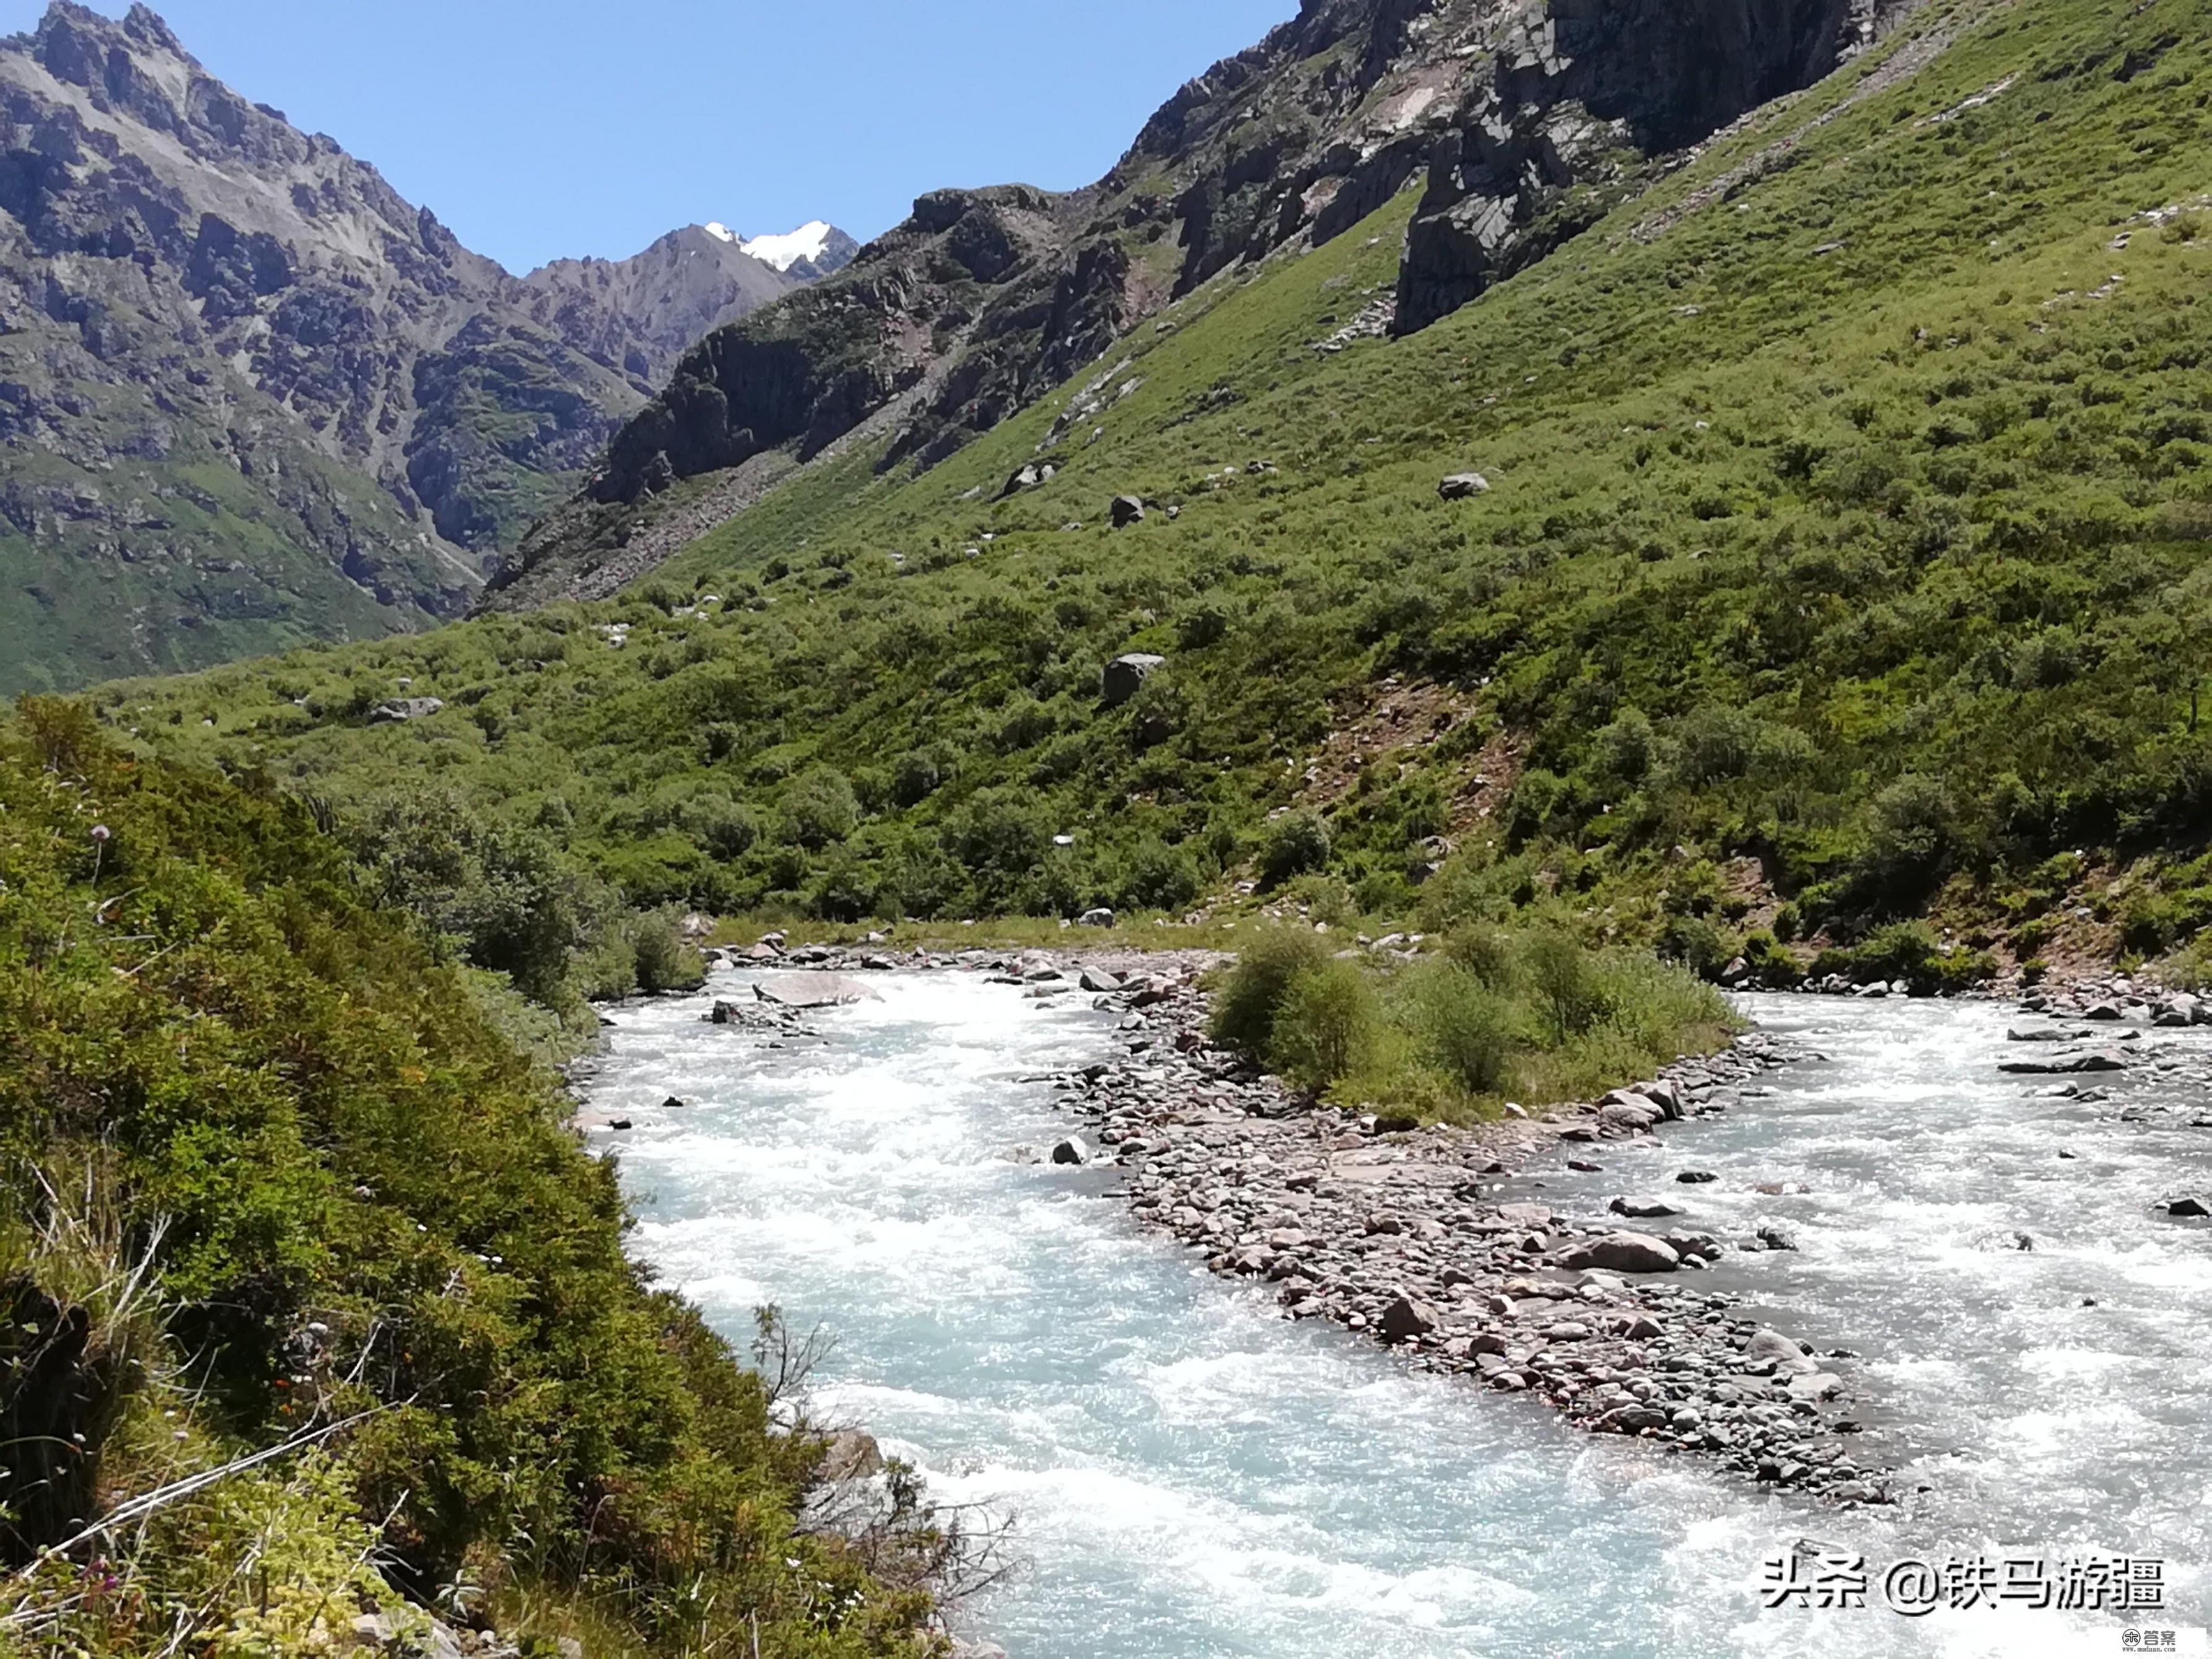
{"x":809,"y":991}
{"x":1074,"y":1150}
{"x":2067,"y":1062}
{"x":1626,"y":1253}
{"x":2188,"y":1209}
{"x":1642,"y":1209}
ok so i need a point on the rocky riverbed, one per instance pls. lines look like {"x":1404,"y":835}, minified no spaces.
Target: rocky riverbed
{"x":1420,"y":1239}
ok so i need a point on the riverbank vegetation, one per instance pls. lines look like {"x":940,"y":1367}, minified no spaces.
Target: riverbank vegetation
{"x":1527,"y":1012}
{"x":311,"y":1305}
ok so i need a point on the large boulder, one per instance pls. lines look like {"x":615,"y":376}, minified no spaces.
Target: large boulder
{"x":1074,"y":1150}
{"x":1406,"y":1318}
{"x":1126,"y":676}
{"x":1639,"y":1119}
{"x":1128,"y":510}
{"x":852,"y":1455}
{"x":1463,"y":486}
{"x":803,"y":990}
{"x":1624,"y":1253}
{"x":405,"y":710}
{"x":1788,"y":1355}
{"x":2066,"y":1063}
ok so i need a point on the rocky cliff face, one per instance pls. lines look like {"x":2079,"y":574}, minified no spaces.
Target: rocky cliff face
{"x":249,"y":396}
{"x":1523,"y":122}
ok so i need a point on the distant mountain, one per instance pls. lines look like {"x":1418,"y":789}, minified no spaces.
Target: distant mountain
{"x":1518,"y":125}
{"x":249,"y":396}
{"x":643,"y":314}
{"x":808,"y":254}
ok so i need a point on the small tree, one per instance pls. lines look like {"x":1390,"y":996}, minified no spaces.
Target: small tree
{"x":1295,"y":845}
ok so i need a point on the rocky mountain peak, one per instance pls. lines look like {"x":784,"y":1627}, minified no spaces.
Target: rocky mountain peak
{"x":251,"y":390}
{"x":1521,"y":122}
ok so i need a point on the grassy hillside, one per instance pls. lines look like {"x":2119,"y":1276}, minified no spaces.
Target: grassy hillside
{"x":1842,"y":559}
{"x":274,"y":1178}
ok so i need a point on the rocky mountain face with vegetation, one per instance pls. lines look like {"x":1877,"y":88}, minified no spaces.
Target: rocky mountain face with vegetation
{"x":643,"y":314}
{"x":249,"y":396}
{"x":1525,"y":124}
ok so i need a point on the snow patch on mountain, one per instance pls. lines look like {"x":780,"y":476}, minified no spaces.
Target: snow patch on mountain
{"x":807,"y":244}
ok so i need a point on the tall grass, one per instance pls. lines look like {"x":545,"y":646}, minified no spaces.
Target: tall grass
{"x":1530,"y":1013}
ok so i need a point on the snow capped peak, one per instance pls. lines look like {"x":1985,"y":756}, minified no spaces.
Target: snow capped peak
{"x":809,"y":242}
{"x":722,"y":233}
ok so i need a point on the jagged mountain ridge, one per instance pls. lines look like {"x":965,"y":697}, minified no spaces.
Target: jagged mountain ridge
{"x":251,"y":396}
{"x":1523,"y":122}
{"x":643,"y":314}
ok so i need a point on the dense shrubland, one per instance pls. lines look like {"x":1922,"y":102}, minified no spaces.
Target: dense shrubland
{"x":1843,"y":558}
{"x":272,"y":1172}
{"x":1528,"y":1012}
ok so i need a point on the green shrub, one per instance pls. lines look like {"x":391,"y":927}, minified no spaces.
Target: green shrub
{"x":1326,"y":1026}
{"x":1252,"y":991}
{"x":1563,"y":974}
{"x":721,"y":826}
{"x":820,"y":809}
{"x":1296,"y":844}
{"x":1464,"y":1026}
{"x":665,"y":960}
{"x":497,"y":895}
{"x":1699,"y":946}
{"x":1159,"y":877}
{"x":1490,"y":953}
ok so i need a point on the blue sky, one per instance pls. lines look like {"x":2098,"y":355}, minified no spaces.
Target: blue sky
{"x":540,"y":128}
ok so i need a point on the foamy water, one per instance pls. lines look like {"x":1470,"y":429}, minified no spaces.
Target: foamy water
{"x":1188,"y":1475}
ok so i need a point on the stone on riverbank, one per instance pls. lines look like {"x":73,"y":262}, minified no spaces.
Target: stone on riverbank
{"x":1624,"y":1253}
{"x":1407,"y":1318}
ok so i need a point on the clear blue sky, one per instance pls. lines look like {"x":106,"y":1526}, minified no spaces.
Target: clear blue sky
{"x":541,"y":128}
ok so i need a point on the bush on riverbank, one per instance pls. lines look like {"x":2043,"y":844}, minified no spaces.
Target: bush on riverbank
{"x":1528,"y":1012}
{"x":271,"y":1171}
{"x":1908,"y":953}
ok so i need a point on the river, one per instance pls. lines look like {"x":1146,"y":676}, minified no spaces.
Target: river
{"x":1191,"y":1477}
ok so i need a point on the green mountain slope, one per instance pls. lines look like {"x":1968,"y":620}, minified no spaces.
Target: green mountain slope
{"x":1846,"y":517}
{"x":274,"y":1175}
